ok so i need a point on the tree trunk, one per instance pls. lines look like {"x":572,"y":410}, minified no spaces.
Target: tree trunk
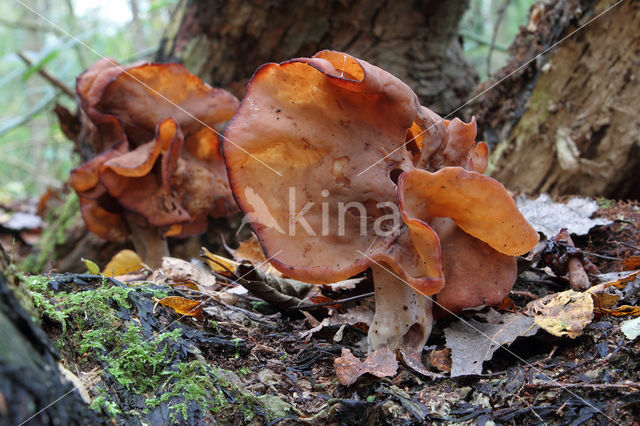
{"x":567,"y":124}
{"x":224,"y":41}
{"x":31,"y":386}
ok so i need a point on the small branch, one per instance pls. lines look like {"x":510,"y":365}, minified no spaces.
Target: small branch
{"x":526,"y":294}
{"x":51,"y":79}
{"x":594,"y":386}
{"x":333,"y":302}
{"x":628,"y":245}
{"x":482,"y":40}
{"x":501,"y":13}
{"x":31,"y":26}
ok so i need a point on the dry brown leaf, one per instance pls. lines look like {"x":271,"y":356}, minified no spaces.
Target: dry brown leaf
{"x":177,"y":271}
{"x":124,"y":262}
{"x":249,"y":250}
{"x":473,"y":342}
{"x":622,"y":311}
{"x":632,"y":262}
{"x":381,"y":363}
{"x":563,"y":314}
{"x":604,"y":300}
{"x":182,"y":305}
{"x":441,"y":359}
{"x":621,"y":282}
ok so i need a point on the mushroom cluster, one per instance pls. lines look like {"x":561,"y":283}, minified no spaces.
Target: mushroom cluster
{"x":366,"y":177}
{"x":156,"y":169}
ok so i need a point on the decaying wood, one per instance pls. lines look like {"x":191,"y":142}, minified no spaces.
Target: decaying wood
{"x":224,"y":41}
{"x":567,"y":123}
{"x":31,"y":386}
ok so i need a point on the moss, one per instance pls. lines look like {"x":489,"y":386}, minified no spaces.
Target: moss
{"x":101,"y":404}
{"x":55,"y":234}
{"x":138,"y":363}
{"x":95,"y":331}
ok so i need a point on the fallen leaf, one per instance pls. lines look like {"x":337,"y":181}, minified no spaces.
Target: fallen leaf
{"x":631,"y":328}
{"x":381,"y":363}
{"x":563,"y":314}
{"x":358,"y":316}
{"x":472,"y":342}
{"x":177,"y":271}
{"x":632,"y":262}
{"x":549,"y":217}
{"x":622,"y":311}
{"x":441,"y":359}
{"x":221,"y":265}
{"x":91,"y":266}
{"x":124,"y":262}
{"x":604,"y":300}
{"x":413,"y":360}
{"x":182,"y":305}
{"x":249,"y":250}
{"x":623,"y":278}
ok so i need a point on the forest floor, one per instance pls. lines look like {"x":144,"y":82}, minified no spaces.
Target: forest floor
{"x":142,"y":356}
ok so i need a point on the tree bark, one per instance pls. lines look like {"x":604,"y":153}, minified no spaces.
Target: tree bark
{"x":225,"y":41}
{"x":567,"y":123}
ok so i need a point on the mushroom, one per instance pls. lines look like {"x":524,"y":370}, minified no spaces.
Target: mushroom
{"x":157,"y":170}
{"x":370,"y":178}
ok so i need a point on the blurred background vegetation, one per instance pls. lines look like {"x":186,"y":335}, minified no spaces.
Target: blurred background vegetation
{"x":35,"y":154}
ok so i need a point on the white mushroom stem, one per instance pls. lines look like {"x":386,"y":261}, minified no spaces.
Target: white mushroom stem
{"x":403,"y":317}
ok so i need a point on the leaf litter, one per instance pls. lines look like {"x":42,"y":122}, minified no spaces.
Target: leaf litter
{"x":260,"y":368}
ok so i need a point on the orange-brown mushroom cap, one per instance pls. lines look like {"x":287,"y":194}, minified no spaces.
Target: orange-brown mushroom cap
{"x":479,"y":227}
{"x":320,"y":122}
{"x":339,"y":132}
{"x":157,"y":150}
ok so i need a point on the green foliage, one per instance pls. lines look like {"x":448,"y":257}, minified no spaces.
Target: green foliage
{"x":478,"y":26}
{"x":59,"y":220}
{"x":65,"y":40}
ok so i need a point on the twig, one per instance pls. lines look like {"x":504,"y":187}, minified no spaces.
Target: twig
{"x":501,"y":13}
{"x":530,"y":408}
{"x":333,"y":302}
{"x":51,"y":79}
{"x":594,"y":386}
{"x":627,"y":245}
{"x":481,"y":40}
{"x":526,"y":294}
{"x":601,"y":256}
{"x":31,"y":26}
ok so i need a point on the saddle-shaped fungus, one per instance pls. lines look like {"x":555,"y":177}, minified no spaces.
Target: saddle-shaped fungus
{"x":157,"y":170}
{"x":369,"y":178}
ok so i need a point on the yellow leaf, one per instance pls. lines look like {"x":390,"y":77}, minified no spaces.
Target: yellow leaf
{"x":622,"y":311}
{"x":124,"y":262}
{"x":565,"y":313}
{"x":183,"y":306}
{"x":91,"y":266}
{"x":621,"y":283}
{"x":219,"y":264}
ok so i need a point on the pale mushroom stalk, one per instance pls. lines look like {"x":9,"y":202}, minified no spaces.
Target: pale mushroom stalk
{"x":148,"y":243}
{"x":403,"y":318}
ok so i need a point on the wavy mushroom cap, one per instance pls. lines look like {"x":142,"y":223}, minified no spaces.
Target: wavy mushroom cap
{"x":341,"y":132}
{"x":158,"y":153}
